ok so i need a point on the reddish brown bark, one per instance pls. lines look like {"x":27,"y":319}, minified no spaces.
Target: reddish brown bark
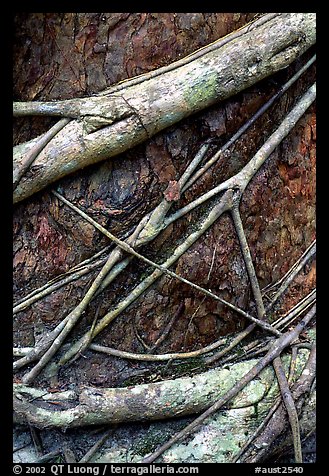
{"x":59,"y":56}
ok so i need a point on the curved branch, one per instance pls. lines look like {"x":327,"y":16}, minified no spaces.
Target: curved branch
{"x":240,"y":181}
{"x":278,"y":421}
{"x":274,"y":351}
{"x":109,"y":125}
{"x":152,"y":401}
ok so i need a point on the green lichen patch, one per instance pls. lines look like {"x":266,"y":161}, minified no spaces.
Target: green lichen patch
{"x":204,"y":89}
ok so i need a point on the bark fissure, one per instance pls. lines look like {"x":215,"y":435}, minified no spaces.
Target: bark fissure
{"x":159,"y":104}
{"x":237,"y":246}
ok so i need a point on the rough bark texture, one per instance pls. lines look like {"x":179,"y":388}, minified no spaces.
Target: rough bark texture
{"x":111,"y":124}
{"x":61,"y":56}
{"x":221,"y":436}
{"x":154,"y":401}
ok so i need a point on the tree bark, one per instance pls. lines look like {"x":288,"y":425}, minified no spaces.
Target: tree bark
{"x":66,"y":56}
{"x":108,"y":125}
{"x":146,"y":402}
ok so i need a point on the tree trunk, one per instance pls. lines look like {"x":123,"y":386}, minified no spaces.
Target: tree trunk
{"x":66,"y":56}
{"x":129,"y":114}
